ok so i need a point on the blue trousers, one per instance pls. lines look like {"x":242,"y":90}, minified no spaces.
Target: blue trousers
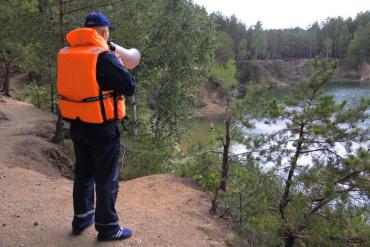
{"x":97,"y":149}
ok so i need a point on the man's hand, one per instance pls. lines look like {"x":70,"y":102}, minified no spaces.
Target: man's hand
{"x":112,"y":47}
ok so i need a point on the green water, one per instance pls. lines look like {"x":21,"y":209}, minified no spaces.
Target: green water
{"x":352,"y":92}
{"x":201,"y":131}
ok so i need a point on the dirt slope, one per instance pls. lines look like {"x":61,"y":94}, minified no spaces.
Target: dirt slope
{"x":36,"y":205}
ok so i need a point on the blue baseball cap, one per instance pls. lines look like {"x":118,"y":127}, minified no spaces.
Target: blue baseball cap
{"x":97,"y":19}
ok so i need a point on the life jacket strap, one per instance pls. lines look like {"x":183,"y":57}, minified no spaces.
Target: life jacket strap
{"x":102,"y":106}
{"x":115,"y":105}
{"x":87,"y":100}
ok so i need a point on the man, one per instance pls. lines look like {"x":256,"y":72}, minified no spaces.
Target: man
{"x":91,"y":80}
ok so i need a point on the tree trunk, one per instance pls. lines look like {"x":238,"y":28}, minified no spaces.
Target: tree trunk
{"x":225,"y":154}
{"x":289,"y":240}
{"x":136,"y":118}
{"x":225,"y":161}
{"x":285,"y":198}
{"x":213,"y":209}
{"x":59,"y":126}
{"x":7,"y":80}
{"x":240,"y":214}
{"x":3,"y":82}
{"x":51,"y":87}
{"x":157,"y":130}
{"x":327,"y":57}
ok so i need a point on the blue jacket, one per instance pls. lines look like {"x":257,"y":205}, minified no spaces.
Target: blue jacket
{"x":112,"y":75}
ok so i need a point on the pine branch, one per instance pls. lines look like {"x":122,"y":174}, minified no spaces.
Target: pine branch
{"x":352,"y":240}
{"x":329,"y":199}
{"x":285,"y":198}
{"x":90,"y":7}
{"x":322,"y":150}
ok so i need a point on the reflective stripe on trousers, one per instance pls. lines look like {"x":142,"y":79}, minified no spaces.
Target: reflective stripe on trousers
{"x":85,"y":214}
{"x":108,"y":224}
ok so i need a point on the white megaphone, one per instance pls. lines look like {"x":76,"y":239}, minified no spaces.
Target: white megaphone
{"x":129,"y":57}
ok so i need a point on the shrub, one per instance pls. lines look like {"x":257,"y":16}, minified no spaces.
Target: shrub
{"x":36,"y":95}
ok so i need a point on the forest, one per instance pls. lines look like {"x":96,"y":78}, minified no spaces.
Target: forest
{"x":269,"y":195}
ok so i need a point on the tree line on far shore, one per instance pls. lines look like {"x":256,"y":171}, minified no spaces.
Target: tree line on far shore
{"x":335,"y":37}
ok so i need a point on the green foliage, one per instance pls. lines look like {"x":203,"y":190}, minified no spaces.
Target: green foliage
{"x":36,"y":95}
{"x":259,"y":44}
{"x":250,"y":195}
{"x":201,"y":162}
{"x":179,"y":46}
{"x":359,"y":48}
{"x":31,"y":31}
{"x":14,"y":40}
{"x":273,"y":197}
{"x":223,"y":76}
{"x":248,"y":71}
{"x":202,"y":169}
{"x":310,"y":194}
{"x":225,"y":49}
{"x":328,"y":46}
{"x":337,"y":31}
{"x":331,"y":39}
{"x":142,"y":159}
{"x":243,"y":50}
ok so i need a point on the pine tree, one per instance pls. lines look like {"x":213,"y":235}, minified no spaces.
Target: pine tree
{"x":313,"y":193}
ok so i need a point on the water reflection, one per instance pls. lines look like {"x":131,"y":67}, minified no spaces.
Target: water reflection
{"x":352,"y":92}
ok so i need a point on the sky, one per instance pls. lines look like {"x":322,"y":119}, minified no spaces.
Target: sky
{"x":275,"y":14}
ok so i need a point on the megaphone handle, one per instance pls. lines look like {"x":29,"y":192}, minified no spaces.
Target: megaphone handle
{"x":111,"y":46}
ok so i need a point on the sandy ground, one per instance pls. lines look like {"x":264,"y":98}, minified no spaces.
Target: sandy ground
{"x":36,"y":204}
{"x":214,"y":104}
{"x":211,"y":109}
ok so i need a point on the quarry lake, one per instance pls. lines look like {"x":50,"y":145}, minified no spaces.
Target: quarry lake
{"x":352,"y":92}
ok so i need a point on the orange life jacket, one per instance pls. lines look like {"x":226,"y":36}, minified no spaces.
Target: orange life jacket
{"x":80,"y":96}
